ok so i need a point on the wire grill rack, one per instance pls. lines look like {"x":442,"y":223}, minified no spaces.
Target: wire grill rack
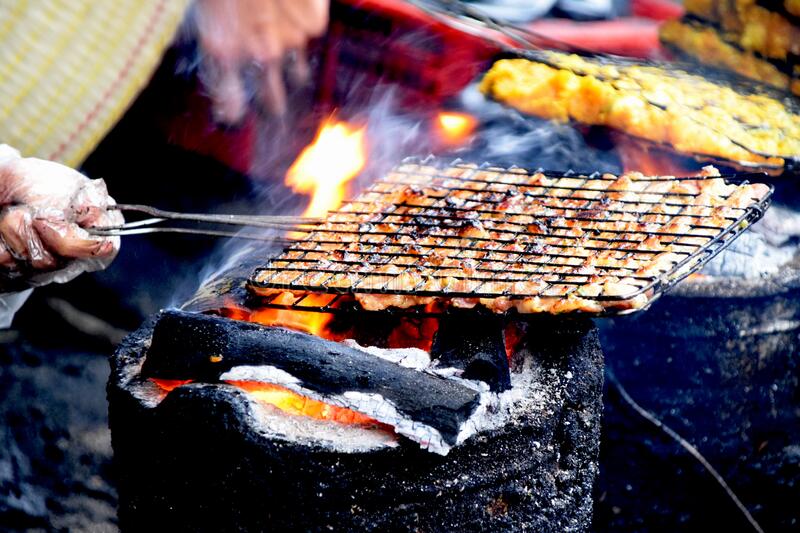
{"x":431,"y":236}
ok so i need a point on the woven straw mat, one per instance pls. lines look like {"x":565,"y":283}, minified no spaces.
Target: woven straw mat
{"x":70,"y":68}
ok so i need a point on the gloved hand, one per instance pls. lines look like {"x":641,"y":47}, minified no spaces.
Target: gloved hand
{"x":44,"y":210}
{"x":236,"y":33}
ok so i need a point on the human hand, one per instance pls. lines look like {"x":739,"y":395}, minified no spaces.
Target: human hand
{"x":237,"y":33}
{"x":45,"y":210}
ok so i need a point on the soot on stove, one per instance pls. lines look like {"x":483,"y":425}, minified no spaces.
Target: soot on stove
{"x":716,"y":360}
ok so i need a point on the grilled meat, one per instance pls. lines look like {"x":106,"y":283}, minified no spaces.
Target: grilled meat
{"x":757,"y":39}
{"x":508,"y":239}
{"x":750,"y":26}
{"x":690,"y":114}
{"x":709,"y":46}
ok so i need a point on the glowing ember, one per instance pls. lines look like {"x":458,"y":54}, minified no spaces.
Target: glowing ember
{"x":323,"y":168}
{"x":513,"y":335}
{"x":288,"y":401}
{"x":296,"y":404}
{"x":308,"y":322}
{"x":649,"y":160}
{"x":455,"y":128}
{"x":169,"y":385}
{"x":413,"y":333}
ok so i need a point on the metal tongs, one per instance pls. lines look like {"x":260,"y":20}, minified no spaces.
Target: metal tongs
{"x":159,"y":216}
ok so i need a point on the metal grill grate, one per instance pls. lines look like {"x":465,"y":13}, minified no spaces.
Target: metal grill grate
{"x":432,"y":236}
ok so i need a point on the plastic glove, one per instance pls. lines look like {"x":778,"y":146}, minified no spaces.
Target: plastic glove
{"x":45,"y":210}
{"x":237,"y":33}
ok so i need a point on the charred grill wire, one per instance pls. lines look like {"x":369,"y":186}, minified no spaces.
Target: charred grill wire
{"x":460,"y":235}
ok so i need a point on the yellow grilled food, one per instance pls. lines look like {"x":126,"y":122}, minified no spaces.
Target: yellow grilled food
{"x":684,"y":111}
{"x":750,"y":26}
{"x":708,"y":46}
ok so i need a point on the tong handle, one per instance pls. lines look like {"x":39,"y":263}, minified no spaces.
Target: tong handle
{"x":257,"y":221}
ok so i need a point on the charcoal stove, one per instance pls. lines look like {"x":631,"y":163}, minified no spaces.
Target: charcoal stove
{"x":724,"y":376}
{"x":208,"y":457}
{"x":497,"y":428}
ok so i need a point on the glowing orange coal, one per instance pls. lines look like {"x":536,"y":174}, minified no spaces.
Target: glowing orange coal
{"x":297,"y":404}
{"x":323,"y":168}
{"x":309,"y":322}
{"x":169,"y":385}
{"x":455,"y":128}
{"x":288,"y":401}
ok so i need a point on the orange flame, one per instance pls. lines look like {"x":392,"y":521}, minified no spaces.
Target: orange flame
{"x":170,"y":385}
{"x":455,"y":128}
{"x":650,"y":160}
{"x":323,"y":168}
{"x":310,"y":322}
{"x":290,"y":402}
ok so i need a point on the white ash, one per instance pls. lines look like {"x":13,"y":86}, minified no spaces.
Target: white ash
{"x":407,"y":357}
{"x":262,"y":374}
{"x":370,"y":404}
{"x":146,"y":391}
{"x":761,"y":250}
{"x":414,"y":358}
{"x":524,"y":397}
{"x":493,"y":410}
{"x":345,"y":438}
{"x":384,"y":410}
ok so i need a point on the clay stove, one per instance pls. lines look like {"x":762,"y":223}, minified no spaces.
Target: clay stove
{"x":208,"y":456}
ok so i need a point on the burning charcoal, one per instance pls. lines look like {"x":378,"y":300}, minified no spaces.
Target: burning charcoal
{"x":475,"y":345}
{"x":204,"y":348}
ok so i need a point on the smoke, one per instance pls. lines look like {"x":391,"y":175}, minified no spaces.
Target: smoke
{"x":391,"y":135}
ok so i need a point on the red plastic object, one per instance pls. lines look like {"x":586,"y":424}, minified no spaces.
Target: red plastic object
{"x":369,"y":42}
{"x":373,"y":42}
{"x":657,"y":9}
{"x":628,"y":36}
{"x":194,"y":130}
